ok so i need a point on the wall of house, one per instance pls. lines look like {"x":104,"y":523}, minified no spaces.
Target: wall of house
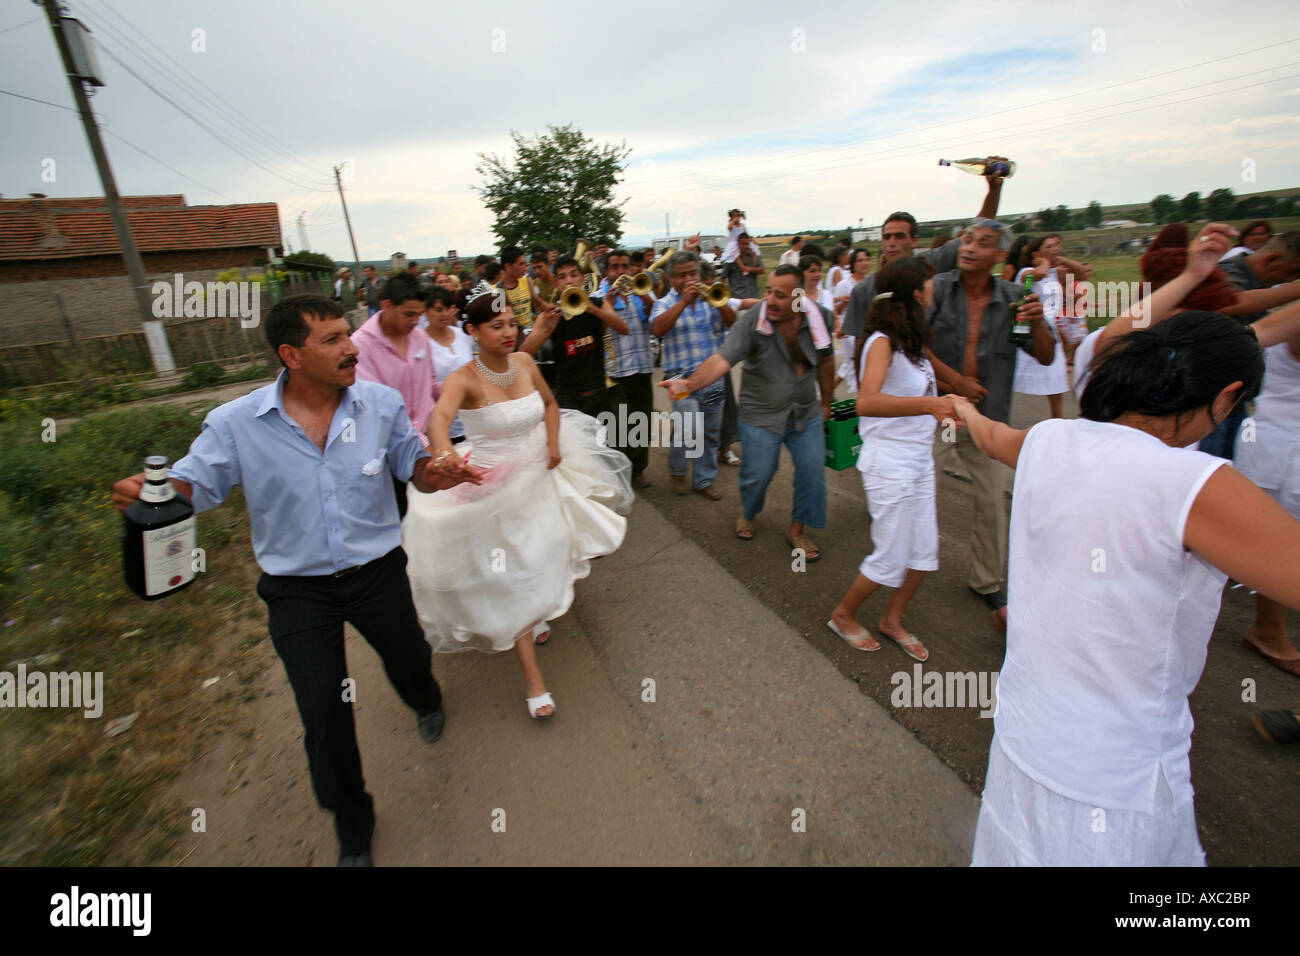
{"x":96,"y":303}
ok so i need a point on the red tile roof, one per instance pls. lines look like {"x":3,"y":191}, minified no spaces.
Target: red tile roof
{"x":42,"y":229}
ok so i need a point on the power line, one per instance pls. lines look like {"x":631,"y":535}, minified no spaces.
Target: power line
{"x":916,"y":149}
{"x":1056,"y":99}
{"x":207,"y":96}
{"x":35,"y":100}
{"x":215,"y":135}
{"x":124,"y":140}
{"x":255,"y":139}
{"x":19,"y":26}
{"x":145,"y":152}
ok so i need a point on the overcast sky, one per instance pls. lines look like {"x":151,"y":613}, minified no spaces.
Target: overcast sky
{"x":803,"y":114}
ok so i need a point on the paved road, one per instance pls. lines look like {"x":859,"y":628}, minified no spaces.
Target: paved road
{"x":758,"y":713}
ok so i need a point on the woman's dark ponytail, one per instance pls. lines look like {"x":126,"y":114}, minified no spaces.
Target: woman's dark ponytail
{"x":899,"y":315}
{"x":1178,"y":366}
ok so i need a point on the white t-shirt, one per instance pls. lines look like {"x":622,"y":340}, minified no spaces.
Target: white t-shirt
{"x":730,"y":253}
{"x":790,"y":257}
{"x":448,"y":358}
{"x":899,"y":447}
{"x":1109,"y":615}
{"x":1267,"y":460}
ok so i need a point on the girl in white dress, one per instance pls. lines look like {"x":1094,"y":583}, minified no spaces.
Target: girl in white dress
{"x":1113,"y":592}
{"x":859,"y":268}
{"x":488,"y":562}
{"x":1272,"y":461}
{"x":898,"y":404}
{"x":1031,"y":377}
{"x":452,"y":346}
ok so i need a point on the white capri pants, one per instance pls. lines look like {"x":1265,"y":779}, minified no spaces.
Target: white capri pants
{"x":904,"y":527}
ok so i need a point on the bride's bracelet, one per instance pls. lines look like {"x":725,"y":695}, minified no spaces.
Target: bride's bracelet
{"x":437,"y":462}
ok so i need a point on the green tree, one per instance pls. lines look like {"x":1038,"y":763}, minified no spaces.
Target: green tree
{"x":318,"y":259}
{"x":559,"y":189}
{"x":1020,"y":226}
{"x":1219,"y":204}
{"x":1093,"y":215}
{"x":1191,"y":207}
{"x":1255,"y":207}
{"x":1164,"y":208}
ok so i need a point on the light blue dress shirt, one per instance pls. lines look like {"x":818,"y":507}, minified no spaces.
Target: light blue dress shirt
{"x":312,"y":512}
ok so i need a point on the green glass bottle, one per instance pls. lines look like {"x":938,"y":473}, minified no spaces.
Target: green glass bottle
{"x":1020,"y":331}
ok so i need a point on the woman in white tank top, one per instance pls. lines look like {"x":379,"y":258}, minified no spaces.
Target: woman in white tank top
{"x":897,"y":403}
{"x":1113,"y":591}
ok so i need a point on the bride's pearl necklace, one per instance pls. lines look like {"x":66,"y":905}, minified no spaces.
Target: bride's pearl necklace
{"x":502,"y":380}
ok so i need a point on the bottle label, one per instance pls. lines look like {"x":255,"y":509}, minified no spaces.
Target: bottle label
{"x":168,"y":554}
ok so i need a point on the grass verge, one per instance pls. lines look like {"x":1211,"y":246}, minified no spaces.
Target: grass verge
{"x":71,"y":794}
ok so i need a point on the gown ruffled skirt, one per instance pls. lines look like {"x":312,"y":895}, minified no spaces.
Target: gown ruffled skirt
{"x":487,"y":561}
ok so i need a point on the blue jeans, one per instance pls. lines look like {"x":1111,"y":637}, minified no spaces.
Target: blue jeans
{"x":1222,"y":441}
{"x":700,"y":421}
{"x":763,"y":455}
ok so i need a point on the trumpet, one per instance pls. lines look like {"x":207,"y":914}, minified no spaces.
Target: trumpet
{"x":573,"y":301}
{"x":641,"y":284}
{"x":716,"y":294}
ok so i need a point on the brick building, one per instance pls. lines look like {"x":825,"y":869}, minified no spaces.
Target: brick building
{"x":68,"y":246}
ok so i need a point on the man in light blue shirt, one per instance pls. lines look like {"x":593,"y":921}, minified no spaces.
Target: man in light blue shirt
{"x":313,"y":453}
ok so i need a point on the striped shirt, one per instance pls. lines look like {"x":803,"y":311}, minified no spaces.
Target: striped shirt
{"x":633,"y":350}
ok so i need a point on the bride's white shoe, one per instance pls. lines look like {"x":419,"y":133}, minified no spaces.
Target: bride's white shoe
{"x":537,"y":703}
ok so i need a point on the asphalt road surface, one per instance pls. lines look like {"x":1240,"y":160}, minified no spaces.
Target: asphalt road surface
{"x":705,"y":715}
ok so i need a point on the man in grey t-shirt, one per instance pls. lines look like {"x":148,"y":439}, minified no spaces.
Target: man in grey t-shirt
{"x":785,"y":395}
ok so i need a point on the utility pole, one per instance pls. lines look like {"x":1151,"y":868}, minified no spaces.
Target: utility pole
{"x":302,"y":232}
{"x":356,"y":259}
{"x":667,"y":231}
{"x":154,"y":332}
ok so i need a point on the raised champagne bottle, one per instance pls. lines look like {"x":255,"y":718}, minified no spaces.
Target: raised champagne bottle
{"x":983,"y":167}
{"x":159,"y":536}
{"x":1020,"y":330}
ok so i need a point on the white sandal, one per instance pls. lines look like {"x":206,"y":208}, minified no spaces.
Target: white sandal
{"x":850,"y":638}
{"x":537,"y":703}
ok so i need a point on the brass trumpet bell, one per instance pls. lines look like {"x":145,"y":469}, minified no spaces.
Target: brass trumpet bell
{"x":716,"y":295}
{"x":640,"y":284}
{"x":573,"y":301}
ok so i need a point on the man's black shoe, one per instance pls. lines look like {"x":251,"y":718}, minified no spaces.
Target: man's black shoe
{"x":430,"y":723}
{"x":995,"y":600}
{"x":357,"y":859}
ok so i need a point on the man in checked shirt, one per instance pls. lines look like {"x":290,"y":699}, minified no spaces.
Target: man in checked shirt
{"x":691,"y":331}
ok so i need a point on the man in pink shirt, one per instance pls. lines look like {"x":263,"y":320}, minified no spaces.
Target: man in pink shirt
{"x":394,"y":352}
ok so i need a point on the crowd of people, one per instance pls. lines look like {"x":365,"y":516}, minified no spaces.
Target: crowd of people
{"x":476,"y":485}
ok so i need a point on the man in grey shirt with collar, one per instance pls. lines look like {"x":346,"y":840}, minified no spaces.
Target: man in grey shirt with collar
{"x":972,"y":354}
{"x":785,"y":395}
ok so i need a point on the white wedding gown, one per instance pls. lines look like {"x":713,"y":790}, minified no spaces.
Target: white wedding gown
{"x":488,"y":561}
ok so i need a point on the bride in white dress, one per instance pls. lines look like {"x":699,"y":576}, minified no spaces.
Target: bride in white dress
{"x":489,"y":561}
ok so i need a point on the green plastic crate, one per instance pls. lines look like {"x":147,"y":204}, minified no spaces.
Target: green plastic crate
{"x":842,"y":440}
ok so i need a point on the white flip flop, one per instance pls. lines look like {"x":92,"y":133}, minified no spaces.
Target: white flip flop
{"x":850,"y":638}
{"x":537,"y":703}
